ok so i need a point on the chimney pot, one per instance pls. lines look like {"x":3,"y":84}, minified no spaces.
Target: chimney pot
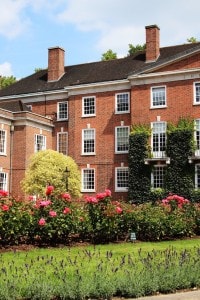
{"x":152,"y":43}
{"x":56,"y":63}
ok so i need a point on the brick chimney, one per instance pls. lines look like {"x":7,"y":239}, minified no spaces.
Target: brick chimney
{"x":56,"y":63}
{"x":152,"y":43}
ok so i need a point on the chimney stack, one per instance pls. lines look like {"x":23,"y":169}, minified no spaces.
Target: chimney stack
{"x":152,"y":43}
{"x":56,"y":63}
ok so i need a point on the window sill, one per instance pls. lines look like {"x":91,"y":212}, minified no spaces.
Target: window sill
{"x":158,"y":107}
{"x":60,"y":120}
{"x":122,"y":112}
{"x":88,"y":154}
{"x":88,"y":116}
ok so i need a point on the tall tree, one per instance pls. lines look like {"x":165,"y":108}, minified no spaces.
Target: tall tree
{"x":108,"y":55}
{"x":133,"y":49}
{"x":6,"y":81}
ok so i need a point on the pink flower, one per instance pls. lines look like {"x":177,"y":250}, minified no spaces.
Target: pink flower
{"x":49,"y":190}
{"x":5,"y":207}
{"x":67,"y":210}
{"x":42,"y":222}
{"x":44,"y":203}
{"x":108,"y":193}
{"x":118,"y":210}
{"x":52,"y":213}
{"x":3,"y":193}
{"x":66,"y":196}
{"x":100,"y":196}
{"x":81,"y":219}
{"x":90,"y":199}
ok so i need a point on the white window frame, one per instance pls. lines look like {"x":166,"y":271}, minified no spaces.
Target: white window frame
{"x":84,"y":100}
{"x":117,"y":100}
{"x":119,"y":188}
{"x":159,"y":181}
{"x":43,"y":147}
{"x":59,"y":134}
{"x":117,"y":139}
{"x":197,"y":136}
{"x":197,"y":176}
{"x":85,"y":172}
{"x":3,"y":181}
{"x":196,"y":93}
{"x":152,"y":97}
{"x":3,"y":142}
{"x":160,"y":153}
{"x":65,"y":112}
{"x":92,"y":130}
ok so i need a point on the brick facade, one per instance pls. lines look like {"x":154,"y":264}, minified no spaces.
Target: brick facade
{"x":176,"y":74}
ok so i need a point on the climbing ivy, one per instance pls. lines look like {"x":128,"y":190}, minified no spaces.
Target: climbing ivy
{"x":139,"y":173}
{"x":180,"y":145}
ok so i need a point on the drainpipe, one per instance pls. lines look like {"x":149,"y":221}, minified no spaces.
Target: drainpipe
{"x":11,"y":156}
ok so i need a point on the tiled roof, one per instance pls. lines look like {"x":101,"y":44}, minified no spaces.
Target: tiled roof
{"x":14,"y":106}
{"x":102,"y":71}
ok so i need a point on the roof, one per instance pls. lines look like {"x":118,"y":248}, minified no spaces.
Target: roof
{"x":14,"y":106}
{"x":102,"y":71}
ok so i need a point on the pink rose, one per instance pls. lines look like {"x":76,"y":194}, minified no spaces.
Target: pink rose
{"x":42,"y":222}
{"x":67,"y":210}
{"x":118,"y":210}
{"x":5,"y":207}
{"x":52,"y":213}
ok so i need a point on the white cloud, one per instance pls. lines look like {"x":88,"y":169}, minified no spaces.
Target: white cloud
{"x":6,"y":69}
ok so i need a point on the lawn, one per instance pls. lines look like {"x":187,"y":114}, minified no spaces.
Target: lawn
{"x":100,"y":271}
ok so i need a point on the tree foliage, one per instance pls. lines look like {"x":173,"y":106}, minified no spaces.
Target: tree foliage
{"x":192,"y":40}
{"x":108,"y":55}
{"x":133,"y":49}
{"x":6,"y":81}
{"x":48,"y":167}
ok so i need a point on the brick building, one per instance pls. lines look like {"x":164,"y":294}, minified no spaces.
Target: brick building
{"x":86,"y":111}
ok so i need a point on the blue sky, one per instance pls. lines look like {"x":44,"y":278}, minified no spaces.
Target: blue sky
{"x":86,"y":29}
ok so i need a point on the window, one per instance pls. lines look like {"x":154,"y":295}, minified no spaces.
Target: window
{"x":157,"y":176}
{"x":122,"y":103}
{"x":197,"y":92}
{"x":88,"y":145}
{"x":197,"y":176}
{"x":158,"y":96}
{"x":121,"y":139}
{"x":88,"y":106}
{"x":158,"y":139}
{"x":197,"y":137}
{"x":2,"y":142}
{"x":88,"y":180}
{"x":40,"y":142}
{"x":121,"y":179}
{"x":62,"y":111}
{"x":3,"y":181}
{"x":62,"y":141}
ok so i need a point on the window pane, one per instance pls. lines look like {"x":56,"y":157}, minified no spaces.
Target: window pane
{"x":158,"y":96}
{"x":88,"y":179}
{"x":122,"y":178}
{"x":123,"y":102}
{"x":2,"y":141}
{"x":89,"y":106}
{"x":158,"y":177}
{"x":62,"y":113}
{"x":3,"y":181}
{"x":122,"y":139}
{"x":159,"y":139}
{"x":88,"y":143}
{"x":40,"y":142}
{"x":62,"y":142}
{"x":197,"y":90}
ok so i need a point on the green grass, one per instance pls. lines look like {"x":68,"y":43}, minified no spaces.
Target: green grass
{"x":100,"y":271}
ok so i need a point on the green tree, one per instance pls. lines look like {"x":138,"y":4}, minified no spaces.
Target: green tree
{"x":192,"y":40}
{"x":38,"y":69}
{"x":49,"y":167}
{"x":108,"y":55}
{"x":6,"y":81}
{"x":133,"y":49}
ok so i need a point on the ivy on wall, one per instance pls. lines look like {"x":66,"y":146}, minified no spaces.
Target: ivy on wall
{"x":180,"y":145}
{"x":139,"y":173}
{"x":179,"y":177}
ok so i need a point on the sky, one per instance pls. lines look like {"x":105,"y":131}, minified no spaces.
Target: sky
{"x":86,"y":29}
